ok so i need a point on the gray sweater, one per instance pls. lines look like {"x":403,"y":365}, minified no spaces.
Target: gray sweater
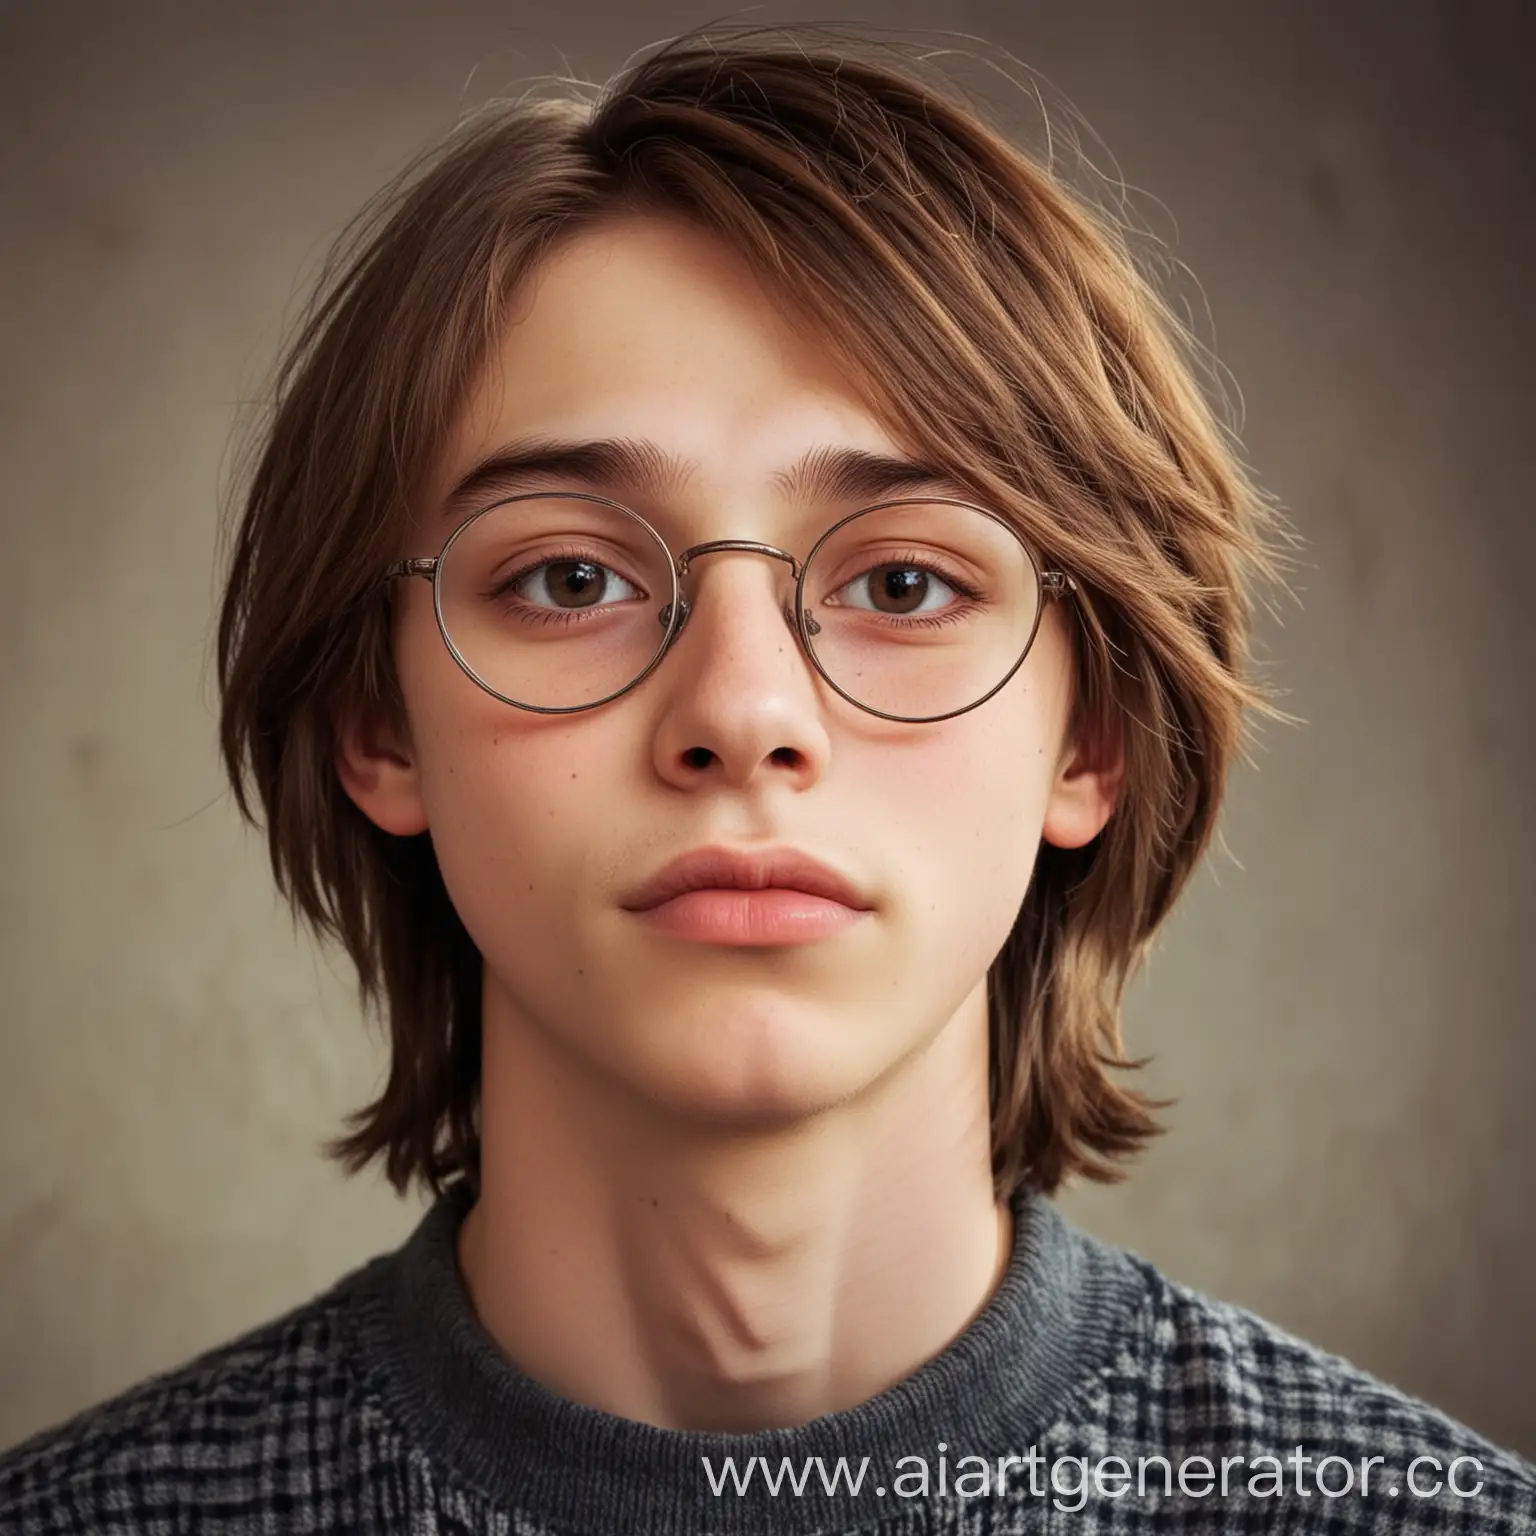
{"x":1091,"y":1394}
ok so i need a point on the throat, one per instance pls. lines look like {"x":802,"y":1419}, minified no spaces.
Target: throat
{"x":695,"y":1316}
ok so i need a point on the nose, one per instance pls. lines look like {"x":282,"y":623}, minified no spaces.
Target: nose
{"x":744,"y":701}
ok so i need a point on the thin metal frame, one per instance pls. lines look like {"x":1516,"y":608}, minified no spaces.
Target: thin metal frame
{"x":1051,"y":585}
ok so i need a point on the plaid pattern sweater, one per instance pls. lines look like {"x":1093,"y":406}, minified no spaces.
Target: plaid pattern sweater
{"x":1091,"y":1394}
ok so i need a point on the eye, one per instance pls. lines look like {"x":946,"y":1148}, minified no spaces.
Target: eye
{"x":900,"y":589}
{"x":570,"y":583}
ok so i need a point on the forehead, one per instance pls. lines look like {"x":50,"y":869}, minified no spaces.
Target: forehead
{"x":645,"y":328}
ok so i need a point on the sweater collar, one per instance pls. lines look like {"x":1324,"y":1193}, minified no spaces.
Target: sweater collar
{"x":1050,"y":1325}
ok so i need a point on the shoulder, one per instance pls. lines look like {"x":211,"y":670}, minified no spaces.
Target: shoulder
{"x":239,"y":1428}
{"x":1204,"y":1380}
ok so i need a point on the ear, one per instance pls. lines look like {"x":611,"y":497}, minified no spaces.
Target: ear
{"x":375,"y":762}
{"x":1087,"y":788}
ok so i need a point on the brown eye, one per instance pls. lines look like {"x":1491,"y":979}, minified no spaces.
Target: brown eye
{"x":570,"y":584}
{"x":895,"y":589}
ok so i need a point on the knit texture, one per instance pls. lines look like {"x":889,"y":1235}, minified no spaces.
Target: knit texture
{"x":382,"y":1405}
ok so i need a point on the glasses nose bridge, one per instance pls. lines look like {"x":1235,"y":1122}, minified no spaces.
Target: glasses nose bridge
{"x":750,"y":546}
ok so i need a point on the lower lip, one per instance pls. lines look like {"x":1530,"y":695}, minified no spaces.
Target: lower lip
{"x":772,"y":916}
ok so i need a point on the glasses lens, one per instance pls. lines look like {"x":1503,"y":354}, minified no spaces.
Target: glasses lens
{"x":554,"y":601}
{"x":920,"y":609}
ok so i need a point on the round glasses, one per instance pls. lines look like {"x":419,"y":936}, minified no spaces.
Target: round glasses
{"x":916,"y":609}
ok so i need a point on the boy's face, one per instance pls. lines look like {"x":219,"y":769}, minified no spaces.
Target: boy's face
{"x":645,"y":329}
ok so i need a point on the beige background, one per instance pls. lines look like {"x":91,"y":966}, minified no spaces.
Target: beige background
{"x":1347,"y":1015}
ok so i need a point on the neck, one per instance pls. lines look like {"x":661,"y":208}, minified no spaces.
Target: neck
{"x":720,"y":1278}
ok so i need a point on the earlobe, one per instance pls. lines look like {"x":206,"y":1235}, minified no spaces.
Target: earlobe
{"x":1085,"y":793}
{"x":379,"y":773}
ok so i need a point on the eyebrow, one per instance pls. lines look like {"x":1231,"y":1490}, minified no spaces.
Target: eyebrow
{"x":639,"y":465}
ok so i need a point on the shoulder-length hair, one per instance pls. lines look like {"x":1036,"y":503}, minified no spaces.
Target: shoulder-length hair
{"x":1001,"y":325}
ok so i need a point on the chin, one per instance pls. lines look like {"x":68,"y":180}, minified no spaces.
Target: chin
{"x":758,"y":1074}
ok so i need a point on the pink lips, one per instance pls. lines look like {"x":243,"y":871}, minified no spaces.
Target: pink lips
{"x":723,"y":895}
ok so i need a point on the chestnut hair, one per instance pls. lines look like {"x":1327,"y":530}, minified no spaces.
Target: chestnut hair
{"x":1001,"y":326}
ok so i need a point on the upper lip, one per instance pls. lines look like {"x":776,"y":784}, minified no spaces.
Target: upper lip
{"x":746,"y":870}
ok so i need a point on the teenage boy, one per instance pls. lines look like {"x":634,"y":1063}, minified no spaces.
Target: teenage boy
{"x":739,"y":627}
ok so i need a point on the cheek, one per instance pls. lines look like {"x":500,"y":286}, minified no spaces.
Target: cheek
{"x":959,"y":814}
{"x":505,"y":797}
{"x":512,"y":824}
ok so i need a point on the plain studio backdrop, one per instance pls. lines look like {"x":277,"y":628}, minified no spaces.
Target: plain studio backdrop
{"x":1343,"y":1005}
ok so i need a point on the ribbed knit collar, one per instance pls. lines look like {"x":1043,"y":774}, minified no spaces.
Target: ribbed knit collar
{"x":1053,"y":1321}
